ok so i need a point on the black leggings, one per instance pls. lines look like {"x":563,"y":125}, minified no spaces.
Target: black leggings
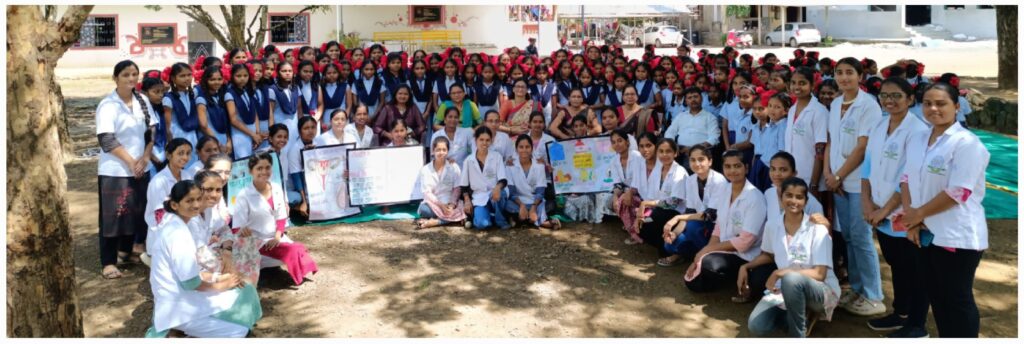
{"x":910,"y":292}
{"x":951,"y":291}
{"x":109,"y":247}
{"x":652,"y":231}
{"x":716,"y":270}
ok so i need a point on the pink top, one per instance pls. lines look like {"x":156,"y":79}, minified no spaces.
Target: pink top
{"x":280,"y":222}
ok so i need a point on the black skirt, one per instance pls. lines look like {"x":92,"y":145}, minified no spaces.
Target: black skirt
{"x":122,"y":205}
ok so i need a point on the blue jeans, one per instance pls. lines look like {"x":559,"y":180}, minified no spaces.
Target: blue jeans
{"x":482,"y":214}
{"x":863,"y":266}
{"x":800,"y":294}
{"x":426,"y":213}
{"x":692,"y":240}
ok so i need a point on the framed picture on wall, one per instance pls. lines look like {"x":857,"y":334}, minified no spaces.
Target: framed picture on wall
{"x":151,"y":34}
{"x":426,"y":15}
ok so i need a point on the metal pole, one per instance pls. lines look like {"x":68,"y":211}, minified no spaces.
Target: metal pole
{"x":783,"y":25}
{"x":341,"y":25}
{"x":760,"y":13}
{"x":583,"y":30}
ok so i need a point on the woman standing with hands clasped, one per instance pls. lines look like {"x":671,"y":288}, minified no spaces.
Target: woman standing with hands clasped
{"x":124,"y":128}
{"x":942,"y":189}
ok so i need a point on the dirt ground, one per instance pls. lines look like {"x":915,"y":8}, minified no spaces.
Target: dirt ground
{"x":384,"y":279}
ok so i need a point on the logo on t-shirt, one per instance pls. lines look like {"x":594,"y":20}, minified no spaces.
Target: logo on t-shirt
{"x":850,"y":127}
{"x":800,"y":129}
{"x":891,"y":151}
{"x":937,"y":166}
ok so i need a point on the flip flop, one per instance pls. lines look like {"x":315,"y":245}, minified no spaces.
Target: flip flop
{"x":112,"y":274}
{"x":663,"y":262}
{"x":555,"y":224}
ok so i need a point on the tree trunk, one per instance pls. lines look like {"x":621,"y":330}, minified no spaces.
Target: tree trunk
{"x":41,"y":289}
{"x":1006,"y":30}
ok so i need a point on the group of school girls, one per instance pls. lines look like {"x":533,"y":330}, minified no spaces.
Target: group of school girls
{"x":766,"y":176}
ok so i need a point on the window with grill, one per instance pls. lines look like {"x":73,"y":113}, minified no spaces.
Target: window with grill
{"x":288,"y":30}
{"x":98,"y":32}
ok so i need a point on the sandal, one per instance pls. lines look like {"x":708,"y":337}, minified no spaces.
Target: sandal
{"x":664,"y":262}
{"x":555,"y":224}
{"x":112,"y":274}
{"x":630,"y":241}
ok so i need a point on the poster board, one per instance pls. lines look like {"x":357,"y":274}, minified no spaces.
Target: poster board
{"x":384,"y":175}
{"x":582,"y":165}
{"x":326,"y":187}
{"x":240,"y":177}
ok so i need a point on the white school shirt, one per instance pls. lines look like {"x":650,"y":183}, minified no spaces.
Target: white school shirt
{"x":640,"y":84}
{"x":157,"y":192}
{"x":886,"y":156}
{"x":522,"y":185}
{"x":307,"y":92}
{"x":460,"y":145}
{"x":689,"y":129}
{"x":292,"y":161}
{"x":441,"y":185}
{"x":251,"y":210}
{"x":957,"y":159}
{"x":802,"y":133}
{"x":447,"y":82}
{"x":731,"y":112}
{"x":810,"y":246}
{"x":773,"y":205}
{"x":690,"y":192}
{"x":361,"y":141}
{"x":482,"y":181}
{"x":843,"y":132}
{"x":745,"y":214}
{"x":540,"y":150}
{"x":328,"y":138}
{"x":174,"y":262}
{"x":128,"y":126}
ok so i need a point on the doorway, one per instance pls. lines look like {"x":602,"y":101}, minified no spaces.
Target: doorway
{"x":918,"y":15}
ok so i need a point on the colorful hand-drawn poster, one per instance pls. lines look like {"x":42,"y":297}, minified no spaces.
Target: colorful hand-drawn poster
{"x":240,"y":177}
{"x":582,"y":165}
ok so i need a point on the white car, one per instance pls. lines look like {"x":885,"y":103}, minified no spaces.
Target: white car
{"x":660,"y":35}
{"x":796,"y":34}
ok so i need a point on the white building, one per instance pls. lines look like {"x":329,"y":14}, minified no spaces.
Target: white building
{"x":156,"y":39}
{"x":855,"y":22}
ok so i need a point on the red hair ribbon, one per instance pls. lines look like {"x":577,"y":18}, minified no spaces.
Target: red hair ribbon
{"x":295,"y":54}
{"x":138,"y":87}
{"x":760,"y":60}
{"x":813,"y":54}
{"x":920,"y":68}
{"x":886,"y":72}
{"x":765,"y":96}
{"x":864,"y":62}
{"x":165,"y":75}
{"x":798,"y":53}
{"x":225,"y":72}
{"x":323,"y":48}
{"x":877,"y":84}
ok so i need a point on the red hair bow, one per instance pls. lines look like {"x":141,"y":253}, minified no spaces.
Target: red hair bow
{"x":765,"y":96}
{"x":323,"y":48}
{"x":864,"y":62}
{"x":225,"y":72}
{"x":165,"y":75}
{"x":295,"y":54}
{"x":798,"y":53}
{"x":760,"y":60}
{"x":886,"y":72}
{"x":920,"y":68}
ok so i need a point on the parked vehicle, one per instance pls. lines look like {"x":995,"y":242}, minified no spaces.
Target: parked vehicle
{"x":660,"y":35}
{"x":796,"y":34}
{"x":739,"y":39}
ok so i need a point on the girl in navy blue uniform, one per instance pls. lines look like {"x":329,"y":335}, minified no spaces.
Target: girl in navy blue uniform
{"x":213,"y":115}
{"x":309,"y":89}
{"x":565,"y":81}
{"x":488,"y":90}
{"x":334,"y":91}
{"x":444,"y":81}
{"x":284,"y":102}
{"x":240,"y":102}
{"x":179,"y":105}
{"x":368,"y":89}
{"x":261,"y":81}
{"x":593,"y":93}
{"x":394,"y":74}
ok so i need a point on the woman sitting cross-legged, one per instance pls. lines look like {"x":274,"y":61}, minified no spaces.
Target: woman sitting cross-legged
{"x":803,"y":285}
{"x":439,"y":182}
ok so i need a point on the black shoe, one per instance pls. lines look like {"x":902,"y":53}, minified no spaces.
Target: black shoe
{"x":909,"y":332}
{"x":887,"y":323}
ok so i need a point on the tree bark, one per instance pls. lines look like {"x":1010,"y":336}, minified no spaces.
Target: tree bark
{"x":41,"y":290}
{"x":1006,"y":31}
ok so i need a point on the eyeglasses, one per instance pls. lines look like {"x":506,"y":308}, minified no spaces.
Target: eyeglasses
{"x":893,"y":96}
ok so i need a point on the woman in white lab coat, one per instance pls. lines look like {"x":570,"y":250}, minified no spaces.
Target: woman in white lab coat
{"x":483,"y":184}
{"x":198,"y":303}
{"x":261,"y":207}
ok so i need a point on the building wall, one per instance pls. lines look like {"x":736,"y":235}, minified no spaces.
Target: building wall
{"x":321,"y":25}
{"x":858,"y":22}
{"x":971,"y":21}
{"x":479,"y":25}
